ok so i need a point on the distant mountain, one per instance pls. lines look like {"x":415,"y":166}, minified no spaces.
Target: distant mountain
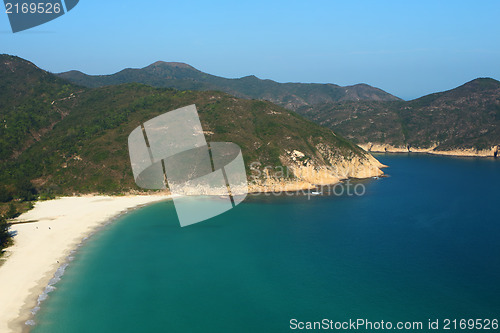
{"x":467,"y":117}
{"x":462,"y":118}
{"x":74,"y":140}
{"x":184,"y":77}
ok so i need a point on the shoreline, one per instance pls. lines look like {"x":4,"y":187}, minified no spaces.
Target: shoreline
{"x":50,"y":234}
{"x":469,"y":152}
{"x":47,"y":236}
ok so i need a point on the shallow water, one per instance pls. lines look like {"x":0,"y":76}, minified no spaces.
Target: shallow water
{"x":420,"y":244}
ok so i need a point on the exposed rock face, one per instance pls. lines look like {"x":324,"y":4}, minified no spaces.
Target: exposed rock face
{"x":469,"y":152}
{"x":493,"y":152}
{"x":299,"y":171}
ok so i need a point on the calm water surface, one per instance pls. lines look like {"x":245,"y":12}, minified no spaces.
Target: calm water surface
{"x":421,"y":244}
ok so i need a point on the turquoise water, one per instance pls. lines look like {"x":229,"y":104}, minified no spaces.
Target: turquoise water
{"x":421,"y":244}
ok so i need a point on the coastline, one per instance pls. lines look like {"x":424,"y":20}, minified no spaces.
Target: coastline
{"x":468,"y":152}
{"x":45,"y":237}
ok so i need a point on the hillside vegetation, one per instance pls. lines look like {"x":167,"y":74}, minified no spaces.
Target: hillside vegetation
{"x":80,"y":145}
{"x":461,"y":118}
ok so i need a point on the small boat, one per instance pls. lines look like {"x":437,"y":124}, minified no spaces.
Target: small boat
{"x":315,"y":193}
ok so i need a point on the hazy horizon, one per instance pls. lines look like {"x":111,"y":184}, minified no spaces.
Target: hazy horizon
{"x":262,"y":78}
{"x":406,"y":49}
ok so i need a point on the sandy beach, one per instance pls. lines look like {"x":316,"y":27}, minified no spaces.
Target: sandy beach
{"x":50,"y":232}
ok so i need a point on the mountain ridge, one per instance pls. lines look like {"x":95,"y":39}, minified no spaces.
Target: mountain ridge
{"x":83,"y":147}
{"x":460,"y":119}
{"x":465,"y":119}
{"x":185,"y":77}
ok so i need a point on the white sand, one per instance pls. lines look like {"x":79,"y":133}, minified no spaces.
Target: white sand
{"x":61,"y":225}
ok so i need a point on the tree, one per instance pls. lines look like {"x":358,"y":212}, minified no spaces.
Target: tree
{"x":5,"y":236}
{"x":5,"y":196}
{"x":25,"y":190}
{"x":12,"y":212}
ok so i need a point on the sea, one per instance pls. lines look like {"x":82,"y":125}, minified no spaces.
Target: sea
{"x":421,"y":245}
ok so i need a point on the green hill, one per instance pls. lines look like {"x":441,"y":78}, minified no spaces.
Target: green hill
{"x":461,"y":118}
{"x":82,"y":147}
{"x":184,"y":77}
{"x":26,"y":104}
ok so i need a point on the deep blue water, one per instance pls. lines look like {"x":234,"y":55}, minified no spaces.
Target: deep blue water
{"x":421,"y":244}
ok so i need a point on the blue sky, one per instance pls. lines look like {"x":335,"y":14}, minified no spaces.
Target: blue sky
{"x":408,"y":48}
